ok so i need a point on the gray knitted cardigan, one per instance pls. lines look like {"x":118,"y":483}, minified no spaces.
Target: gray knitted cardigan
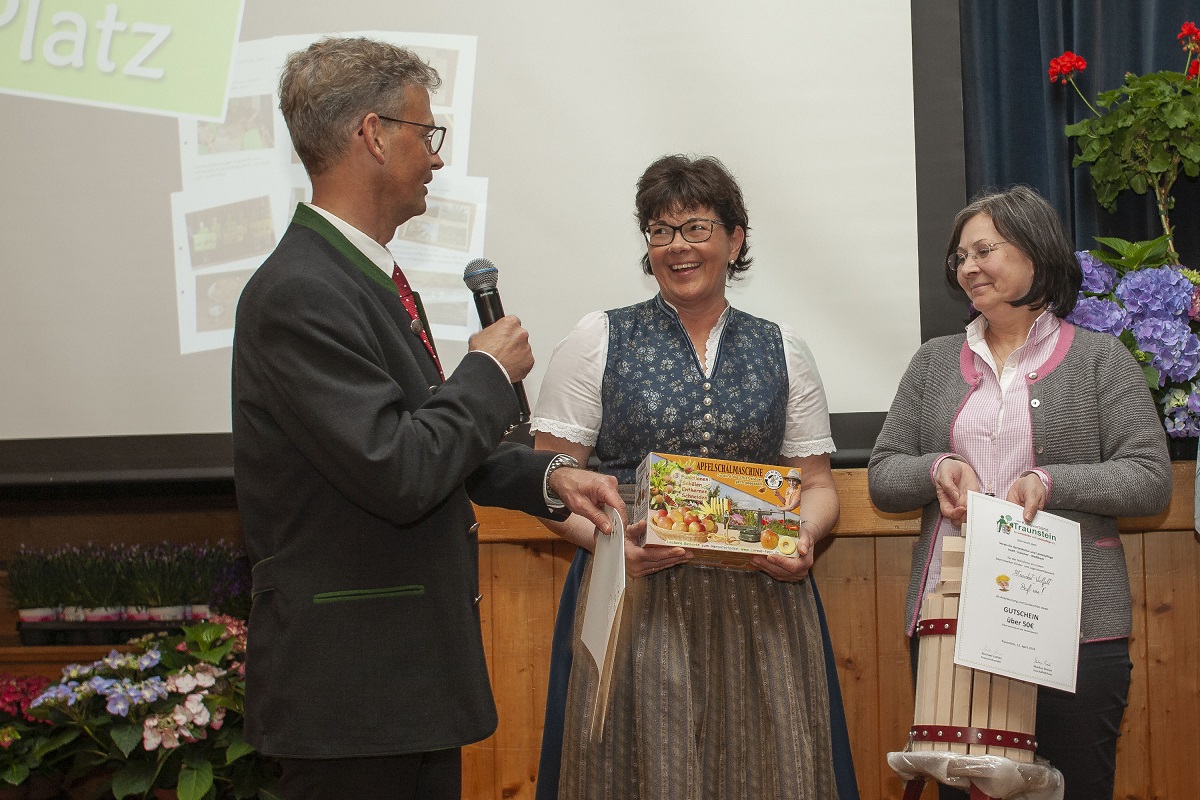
{"x":1096,"y":432}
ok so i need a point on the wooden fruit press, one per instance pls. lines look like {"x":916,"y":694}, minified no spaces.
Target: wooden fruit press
{"x":962,"y":715}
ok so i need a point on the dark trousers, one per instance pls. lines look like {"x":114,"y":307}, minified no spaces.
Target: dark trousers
{"x":1077,"y":733}
{"x":435,"y":775}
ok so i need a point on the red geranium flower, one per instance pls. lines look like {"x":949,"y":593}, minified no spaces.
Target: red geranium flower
{"x":1189,"y":36}
{"x":1193,"y":69}
{"x":1065,"y":66}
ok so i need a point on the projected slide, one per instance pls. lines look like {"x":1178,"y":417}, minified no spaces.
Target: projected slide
{"x":148,"y":173}
{"x":242,"y":180}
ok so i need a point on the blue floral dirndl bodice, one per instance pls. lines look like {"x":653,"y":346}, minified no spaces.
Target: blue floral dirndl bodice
{"x":656,"y":397}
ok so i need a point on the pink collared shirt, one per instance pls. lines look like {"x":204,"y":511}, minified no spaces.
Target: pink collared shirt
{"x":993,"y":431}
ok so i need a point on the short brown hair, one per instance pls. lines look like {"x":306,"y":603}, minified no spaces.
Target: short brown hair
{"x":327,"y":89}
{"x":679,"y":183}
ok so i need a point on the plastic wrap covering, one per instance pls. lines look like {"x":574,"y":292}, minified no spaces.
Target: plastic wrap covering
{"x":996,"y":777}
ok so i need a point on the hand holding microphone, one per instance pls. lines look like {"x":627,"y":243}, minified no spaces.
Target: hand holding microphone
{"x":502,"y":336}
{"x":507,"y":342}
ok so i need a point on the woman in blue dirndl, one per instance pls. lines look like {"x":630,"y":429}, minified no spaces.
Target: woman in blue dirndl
{"x":725,"y":685}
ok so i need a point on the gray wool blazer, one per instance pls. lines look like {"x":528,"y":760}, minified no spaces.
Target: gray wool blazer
{"x":1096,"y":432}
{"x":355,"y":467}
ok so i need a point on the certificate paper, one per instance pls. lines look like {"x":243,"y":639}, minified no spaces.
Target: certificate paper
{"x":602,"y":616}
{"x":1019,"y":609}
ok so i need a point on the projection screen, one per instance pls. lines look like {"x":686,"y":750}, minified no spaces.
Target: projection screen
{"x":148,"y":172}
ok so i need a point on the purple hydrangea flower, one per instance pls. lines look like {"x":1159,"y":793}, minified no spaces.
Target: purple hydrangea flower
{"x":100,"y":684}
{"x":1181,"y":424}
{"x":1173,"y":349}
{"x":149,"y":659}
{"x":1096,"y":314}
{"x":1160,"y":293}
{"x":1098,"y":277}
{"x":78,"y":670}
{"x":118,"y":703}
{"x":113,"y":660}
{"x":1181,"y":412}
{"x":149,"y":690}
{"x":57,"y":693}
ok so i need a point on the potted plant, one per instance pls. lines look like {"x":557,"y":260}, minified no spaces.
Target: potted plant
{"x":208,"y":564}
{"x":165,"y":716}
{"x":231,"y":591}
{"x":32,"y":585}
{"x":1148,"y":132}
{"x":161,"y":578}
{"x":66,"y":571}
{"x":102,"y":573}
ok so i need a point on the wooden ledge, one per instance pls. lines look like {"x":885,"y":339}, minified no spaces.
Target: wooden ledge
{"x":859,"y":516}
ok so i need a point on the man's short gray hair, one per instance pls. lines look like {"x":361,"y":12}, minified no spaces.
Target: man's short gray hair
{"x":327,"y":89}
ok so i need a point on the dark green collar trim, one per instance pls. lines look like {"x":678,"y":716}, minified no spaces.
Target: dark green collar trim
{"x":322,"y":227}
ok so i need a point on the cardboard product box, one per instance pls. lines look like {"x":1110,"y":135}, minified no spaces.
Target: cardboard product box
{"x":724,"y":511}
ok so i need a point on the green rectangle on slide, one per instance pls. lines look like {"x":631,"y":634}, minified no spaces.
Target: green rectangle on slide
{"x":161,"y":57}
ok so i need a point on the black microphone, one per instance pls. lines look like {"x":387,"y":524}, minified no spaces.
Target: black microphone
{"x":480,"y":277}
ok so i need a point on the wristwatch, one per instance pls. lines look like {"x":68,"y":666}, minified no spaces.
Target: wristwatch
{"x":559,"y":461}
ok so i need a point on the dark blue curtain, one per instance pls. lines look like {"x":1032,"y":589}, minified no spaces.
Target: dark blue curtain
{"x":1014,"y":117}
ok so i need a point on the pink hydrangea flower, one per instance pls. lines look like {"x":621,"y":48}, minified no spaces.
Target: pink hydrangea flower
{"x":151,"y":735}
{"x":183,"y":683}
{"x":198,"y":711}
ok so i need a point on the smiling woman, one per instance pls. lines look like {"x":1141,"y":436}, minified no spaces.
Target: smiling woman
{"x":686,"y":373}
{"x":1028,"y":407}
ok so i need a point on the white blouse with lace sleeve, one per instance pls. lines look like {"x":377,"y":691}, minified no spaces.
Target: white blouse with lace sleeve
{"x":569,"y":406}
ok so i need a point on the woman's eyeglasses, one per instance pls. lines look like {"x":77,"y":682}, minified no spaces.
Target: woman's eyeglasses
{"x":956,"y":260}
{"x":698,"y":230}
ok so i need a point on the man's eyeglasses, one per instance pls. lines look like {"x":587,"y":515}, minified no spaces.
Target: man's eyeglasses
{"x":660,"y":234}
{"x":433,"y":139}
{"x":956,"y":260}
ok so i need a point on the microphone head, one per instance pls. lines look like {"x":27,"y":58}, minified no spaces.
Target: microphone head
{"x":480,"y":275}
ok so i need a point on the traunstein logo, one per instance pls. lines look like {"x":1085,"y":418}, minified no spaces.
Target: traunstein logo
{"x":1006,"y":525}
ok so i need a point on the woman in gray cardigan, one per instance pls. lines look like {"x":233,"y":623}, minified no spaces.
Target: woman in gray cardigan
{"x":1028,"y":407}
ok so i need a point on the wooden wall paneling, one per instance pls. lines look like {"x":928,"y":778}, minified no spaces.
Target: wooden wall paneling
{"x":520,"y":561}
{"x":501,"y":525}
{"x":48,"y":661}
{"x":893,"y":555}
{"x":563,"y":555}
{"x":129,"y":527}
{"x":8,"y":616}
{"x":1178,"y":516}
{"x":845,"y":573}
{"x":1173,"y":661}
{"x":860,"y":517}
{"x":1133,"y":748}
{"x":479,"y":759}
{"x":523,"y":608}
